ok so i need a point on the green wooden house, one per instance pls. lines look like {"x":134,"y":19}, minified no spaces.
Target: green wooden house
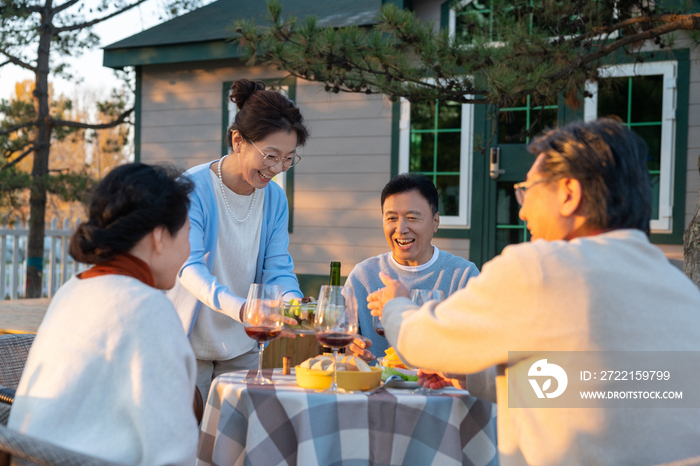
{"x":184,"y":68}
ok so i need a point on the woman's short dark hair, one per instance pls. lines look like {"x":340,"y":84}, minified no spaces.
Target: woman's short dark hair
{"x":410,"y":182}
{"x":262,"y":112}
{"x":610,"y":161}
{"x":130,"y":202}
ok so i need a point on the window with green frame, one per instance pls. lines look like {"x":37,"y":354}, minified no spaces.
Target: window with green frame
{"x":436,"y":140}
{"x":468,"y":18}
{"x":512,"y":121}
{"x":643,"y":97}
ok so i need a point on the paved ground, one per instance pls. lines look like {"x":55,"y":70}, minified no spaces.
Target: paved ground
{"x":22,"y":315}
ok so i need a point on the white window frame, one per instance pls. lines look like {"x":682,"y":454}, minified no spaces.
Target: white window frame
{"x":465,"y":165}
{"x":281,"y":177}
{"x":669,"y":70}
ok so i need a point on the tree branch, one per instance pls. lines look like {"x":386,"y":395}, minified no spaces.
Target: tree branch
{"x":17,"y":61}
{"x":690,"y":22}
{"x":98,"y":20}
{"x":77,"y":124}
{"x":21,"y":156}
{"x":331,"y":57}
{"x":66,"y":5}
{"x":12,"y":129}
{"x":639,"y":20}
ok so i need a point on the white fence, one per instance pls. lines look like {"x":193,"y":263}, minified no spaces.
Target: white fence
{"x":58,"y":265}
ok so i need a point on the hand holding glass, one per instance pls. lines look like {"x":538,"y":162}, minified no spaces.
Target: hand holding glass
{"x":336,"y":322}
{"x":263,"y":319}
{"x":421,"y":297}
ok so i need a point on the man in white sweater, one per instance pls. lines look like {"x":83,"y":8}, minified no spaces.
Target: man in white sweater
{"x":589,"y":281}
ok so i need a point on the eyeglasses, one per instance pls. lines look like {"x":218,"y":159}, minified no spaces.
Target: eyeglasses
{"x":271,"y":160}
{"x":521,"y":188}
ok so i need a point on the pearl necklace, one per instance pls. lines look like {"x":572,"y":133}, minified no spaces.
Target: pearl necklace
{"x":223,"y":194}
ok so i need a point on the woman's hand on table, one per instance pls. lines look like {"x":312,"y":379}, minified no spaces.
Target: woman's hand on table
{"x":393,"y":289}
{"x":438,"y":380}
{"x":359,"y":348}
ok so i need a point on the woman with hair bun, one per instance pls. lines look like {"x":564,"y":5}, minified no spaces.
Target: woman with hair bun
{"x":239,"y":230}
{"x":111,"y":372}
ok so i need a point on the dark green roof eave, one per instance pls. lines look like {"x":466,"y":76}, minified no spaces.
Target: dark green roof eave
{"x":173,"y":53}
{"x":185,"y":39}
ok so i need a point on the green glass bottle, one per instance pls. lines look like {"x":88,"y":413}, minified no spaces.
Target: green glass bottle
{"x":335,"y":274}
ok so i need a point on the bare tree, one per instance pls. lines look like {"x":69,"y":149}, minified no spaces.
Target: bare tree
{"x":36,"y":35}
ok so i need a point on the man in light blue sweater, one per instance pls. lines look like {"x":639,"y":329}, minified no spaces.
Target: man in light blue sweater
{"x":410,"y":217}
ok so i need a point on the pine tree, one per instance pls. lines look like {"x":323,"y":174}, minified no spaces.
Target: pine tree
{"x":500,"y":52}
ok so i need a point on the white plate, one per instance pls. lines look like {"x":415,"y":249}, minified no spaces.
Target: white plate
{"x":403,"y":384}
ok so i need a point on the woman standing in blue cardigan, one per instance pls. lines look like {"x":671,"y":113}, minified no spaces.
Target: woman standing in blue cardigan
{"x":239,"y":233}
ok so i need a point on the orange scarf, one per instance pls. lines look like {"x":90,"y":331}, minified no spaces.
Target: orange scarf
{"x":122,"y":264}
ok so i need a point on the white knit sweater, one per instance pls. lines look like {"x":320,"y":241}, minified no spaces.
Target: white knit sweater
{"x":217,"y":335}
{"x":111,"y":374}
{"x":609,"y":292}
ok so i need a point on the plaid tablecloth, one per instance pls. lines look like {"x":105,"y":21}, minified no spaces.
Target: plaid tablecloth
{"x":284,"y":424}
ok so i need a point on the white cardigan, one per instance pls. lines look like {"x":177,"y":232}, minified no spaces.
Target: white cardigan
{"x":111,"y":373}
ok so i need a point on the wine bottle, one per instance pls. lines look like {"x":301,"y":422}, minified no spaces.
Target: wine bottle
{"x":335,"y":274}
{"x":334,"y":281}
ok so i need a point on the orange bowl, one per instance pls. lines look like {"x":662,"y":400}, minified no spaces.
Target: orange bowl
{"x":348,"y":380}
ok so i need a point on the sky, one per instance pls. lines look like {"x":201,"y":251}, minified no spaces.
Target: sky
{"x":89,"y":65}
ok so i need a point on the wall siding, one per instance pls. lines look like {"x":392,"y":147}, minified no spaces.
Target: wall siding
{"x":692,"y":183}
{"x":345,"y":165}
{"x":692,"y":179}
{"x":429,"y":11}
{"x":336,"y":188}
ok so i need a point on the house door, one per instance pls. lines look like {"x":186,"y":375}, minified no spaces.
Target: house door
{"x":504,"y":161}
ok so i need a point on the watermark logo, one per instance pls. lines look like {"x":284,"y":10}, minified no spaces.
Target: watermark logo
{"x":542,"y":368}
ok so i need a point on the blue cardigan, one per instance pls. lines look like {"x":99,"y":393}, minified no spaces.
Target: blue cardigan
{"x":274,"y":266}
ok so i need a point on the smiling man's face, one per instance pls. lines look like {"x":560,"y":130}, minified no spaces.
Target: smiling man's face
{"x":409,"y":226}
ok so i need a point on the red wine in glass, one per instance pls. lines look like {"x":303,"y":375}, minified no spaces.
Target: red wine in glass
{"x":263,"y":334}
{"x":334,"y":340}
{"x":335,"y":322}
{"x":263,"y":321}
{"x":377,"y":324}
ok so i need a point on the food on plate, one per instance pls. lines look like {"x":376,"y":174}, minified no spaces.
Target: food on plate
{"x":391,"y":359}
{"x":343,"y":363}
{"x":406,"y":374}
{"x":393,"y":365}
{"x":318,"y":363}
{"x":302,"y":310}
{"x":321,"y":364}
{"x":355,"y":363}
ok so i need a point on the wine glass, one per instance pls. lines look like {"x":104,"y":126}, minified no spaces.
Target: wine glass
{"x":263,"y":320}
{"x":335,"y":323}
{"x":421,"y":297}
{"x":377,"y":324}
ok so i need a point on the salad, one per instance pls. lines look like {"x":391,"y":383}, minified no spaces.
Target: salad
{"x":302,"y":310}
{"x":392,"y":365}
